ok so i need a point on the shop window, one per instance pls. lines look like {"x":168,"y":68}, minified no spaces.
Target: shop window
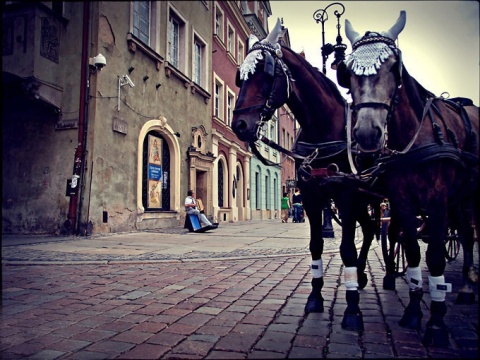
{"x":156,"y":173}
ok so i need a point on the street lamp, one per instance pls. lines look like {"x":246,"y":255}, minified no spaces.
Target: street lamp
{"x":321,"y":16}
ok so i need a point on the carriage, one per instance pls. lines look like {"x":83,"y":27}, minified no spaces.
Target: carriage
{"x":273,"y":75}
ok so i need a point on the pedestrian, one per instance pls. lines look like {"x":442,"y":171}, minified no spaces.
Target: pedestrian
{"x":285,"y":207}
{"x":191,"y":208}
{"x":297,"y":206}
{"x":384,"y":218}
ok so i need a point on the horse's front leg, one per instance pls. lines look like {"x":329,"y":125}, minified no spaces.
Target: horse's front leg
{"x":412,"y":315}
{"x":352,"y":317}
{"x":436,"y":332}
{"x":315,"y":299}
{"x":465,"y":232}
{"x":368,"y":231}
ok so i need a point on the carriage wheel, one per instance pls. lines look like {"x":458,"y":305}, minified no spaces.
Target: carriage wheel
{"x":452,"y":245}
{"x":394,"y":256}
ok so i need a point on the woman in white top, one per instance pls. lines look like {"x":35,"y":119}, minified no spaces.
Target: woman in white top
{"x":191,"y":208}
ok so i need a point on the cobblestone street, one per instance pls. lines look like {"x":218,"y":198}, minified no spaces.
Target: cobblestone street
{"x":234,"y":293}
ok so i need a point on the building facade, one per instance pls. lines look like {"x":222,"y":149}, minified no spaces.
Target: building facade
{"x":113,"y":110}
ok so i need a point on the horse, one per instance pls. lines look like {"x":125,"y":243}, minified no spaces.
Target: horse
{"x":425,"y":150}
{"x":273,"y":75}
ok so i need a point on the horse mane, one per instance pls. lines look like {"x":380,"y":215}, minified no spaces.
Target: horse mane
{"x":417,"y":94}
{"x":317,"y":75}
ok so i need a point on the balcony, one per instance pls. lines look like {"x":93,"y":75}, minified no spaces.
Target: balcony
{"x":32,"y":36}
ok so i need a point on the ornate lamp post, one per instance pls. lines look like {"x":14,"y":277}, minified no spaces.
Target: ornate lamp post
{"x":321,"y":16}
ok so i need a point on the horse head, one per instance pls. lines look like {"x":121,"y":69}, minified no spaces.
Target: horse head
{"x":373,"y":73}
{"x":265,"y":85}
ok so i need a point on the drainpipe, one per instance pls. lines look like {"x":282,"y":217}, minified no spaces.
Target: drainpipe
{"x":79,"y":159}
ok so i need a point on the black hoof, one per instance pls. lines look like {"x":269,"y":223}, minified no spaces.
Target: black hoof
{"x":353,"y":322}
{"x":389,"y":282}
{"x":411,"y":320}
{"x":314,"y":305}
{"x":436,"y":336}
{"x":362,"y":281}
{"x":465,"y":298}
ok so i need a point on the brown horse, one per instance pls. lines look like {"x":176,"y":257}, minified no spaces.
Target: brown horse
{"x":274,"y":75}
{"x":428,"y":148}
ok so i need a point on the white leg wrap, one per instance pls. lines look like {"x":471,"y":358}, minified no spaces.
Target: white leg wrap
{"x":351,"y":280}
{"x":414,"y":277}
{"x":316,"y":268}
{"x":438,"y":288}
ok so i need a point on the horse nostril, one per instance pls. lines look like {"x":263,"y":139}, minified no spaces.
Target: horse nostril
{"x":240,"y":126}
{"x":354,"y":133}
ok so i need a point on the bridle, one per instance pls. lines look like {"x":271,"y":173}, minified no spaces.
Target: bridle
{"x":371,"y":38}
{"x":275,"y":67}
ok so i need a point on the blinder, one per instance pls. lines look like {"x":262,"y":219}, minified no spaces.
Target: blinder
{"x":399,"y":66}
{"x":238,"y":81}
{"x":343,"y":76}
{"x":269,"y":67}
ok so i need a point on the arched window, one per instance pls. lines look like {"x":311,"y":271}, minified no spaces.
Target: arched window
{"x":156,"y":173}
{"x":220,"y":184}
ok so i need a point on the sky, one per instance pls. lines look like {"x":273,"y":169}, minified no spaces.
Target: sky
{"x":439,"y":44}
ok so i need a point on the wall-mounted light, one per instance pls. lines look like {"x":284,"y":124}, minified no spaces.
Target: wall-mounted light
{"x":130,"y":69}
{"x":158,"y":85}
{"x":145,"y":78}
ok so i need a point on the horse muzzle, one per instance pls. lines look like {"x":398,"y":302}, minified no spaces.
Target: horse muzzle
{"x":243,"y":130}
{"x":369,"y":135}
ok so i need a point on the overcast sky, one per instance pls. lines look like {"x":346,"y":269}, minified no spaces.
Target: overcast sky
{"x":440,"y":41}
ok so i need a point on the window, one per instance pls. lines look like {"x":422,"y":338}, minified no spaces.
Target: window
{"x":220,"y":184}
{"x":267,"y":200}
{"x":257,"y":190}
{"x":219,"y":98}
{"x":283,"y":137}
{"x":231,"y":41}
{"x":197,"y":61}
{"x":176,"y":40}
{"x":240,"y":54}
{"x":230,"y":106}
{"x":275,"y":193}
{"x":141,"y":20}
{"x":219,"y":23}
{"x":156,"y":170}
{"x":173,"y":41}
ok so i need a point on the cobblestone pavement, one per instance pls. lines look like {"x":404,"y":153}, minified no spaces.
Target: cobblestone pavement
{"x":236,"y":293}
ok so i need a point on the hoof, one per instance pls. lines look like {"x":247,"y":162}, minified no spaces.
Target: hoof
{"x":465,"y":298}
{"x":353,"y":322}
{"x":314,"y":305}
{"x":411,"y":320}
{"x":436,"y":336}
{"x":389,"y":282}
{"x":362,"y":281}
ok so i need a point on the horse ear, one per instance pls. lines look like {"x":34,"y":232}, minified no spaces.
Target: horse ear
{"x":274,"y":34}
{"x":397,"y":27}
{"x":352,"y":35}
{"x":252,"y":39}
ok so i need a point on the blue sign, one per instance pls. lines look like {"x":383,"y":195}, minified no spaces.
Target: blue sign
{"x":154,"y":172}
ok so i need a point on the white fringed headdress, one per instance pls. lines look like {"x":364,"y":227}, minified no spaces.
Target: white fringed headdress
{"x":368,"y":58}
{"x":250,"y":63}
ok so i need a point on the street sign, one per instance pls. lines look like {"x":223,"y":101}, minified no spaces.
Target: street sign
{"x":291,"y":184}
